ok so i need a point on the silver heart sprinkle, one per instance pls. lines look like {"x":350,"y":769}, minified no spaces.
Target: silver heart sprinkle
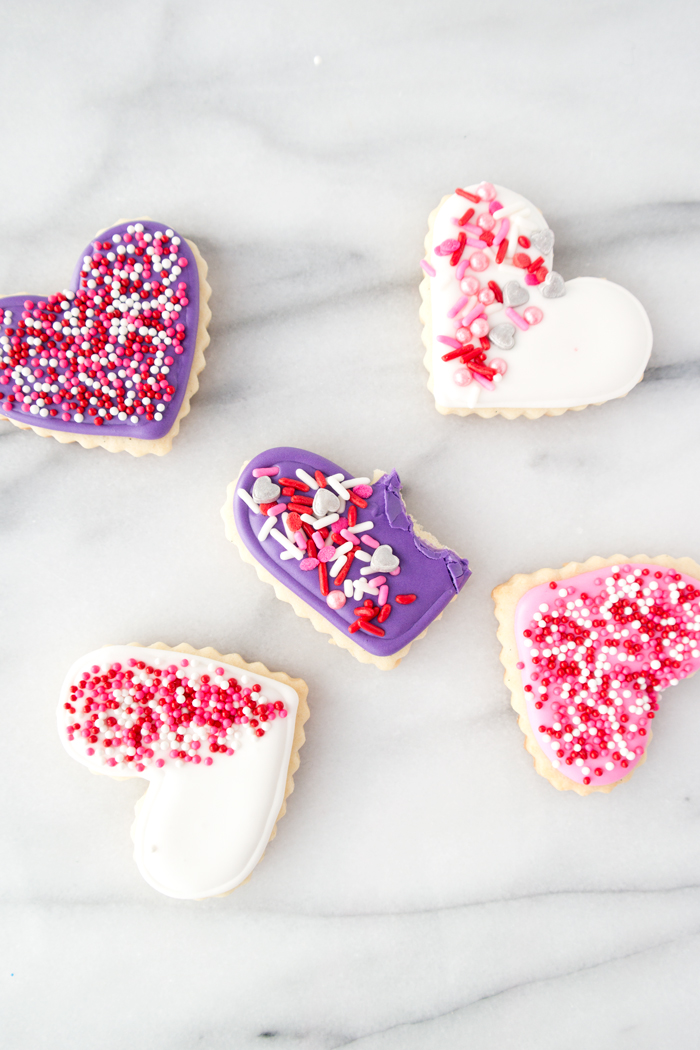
{"x":514,"y":294}
{"x":554,"y":286}
{"x":264,"y":490}
{"x":543,"y":240}
{"x":384,"y":559}
{"x":503,"y":336}
{"x":325,"y":502}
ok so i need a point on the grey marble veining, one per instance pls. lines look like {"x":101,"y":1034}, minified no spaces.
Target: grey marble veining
{"x":426,"y":889}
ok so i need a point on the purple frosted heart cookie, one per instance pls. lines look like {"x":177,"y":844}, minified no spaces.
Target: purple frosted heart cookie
{"x":113,"y":359}
{"x":343,"y":551}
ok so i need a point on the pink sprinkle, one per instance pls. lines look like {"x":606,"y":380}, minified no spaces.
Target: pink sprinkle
{"x":462,"y":267}
{"x":515,"y":317}
{"x":300,"y":539}
{"x":369,"y":541}
{"x":383,"y":595}
{"x":459,"y":305}
{"x":495,"y":206}
{"x":308,"y":563}
{"x":486,"y":383}
{"x":487,"y":191}
{"x":335,"y":600}
{"x":502,"y":232}
{"x":339,"y":525}
{"x":350,"y":537}
{"x":395,"y":572}
{"x":447,"y":247}
{"x":449,"y":342}
{"x":501,"y":367}
{"x":277,"y":509}
{"x":431,"y":271}
{"x":282,"y":714}
{"x":265,"y":472}
{"x":476,"y":242}
{"x":318,"y":540}
{"x":219,"y":670}
{"x":531,"y":279}
{"x":477,"y":311}
{"x":377,"y":581}
{"x":364,"y":491}
{"x":326,"y":554}
{"x":520,"y":665}
{"x":469,"y":227}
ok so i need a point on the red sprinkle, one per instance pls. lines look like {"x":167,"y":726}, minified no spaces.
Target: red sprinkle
{"x":469,"y":196}
{"x":457,"y":254}
{"x":340,"y":578}
{"x":371,"y":628}
{"x":384,"y":613}
{"x":521,"y":260}
{"x":320,"y":479}
{"x":357,"y":500}
{"x":502,"y":249}
{"x":352,"y":514}
{"x":405,"y":599}
{"x":524,"y":242}
{"x":466,"y":217}
{"x":294,"y":484}
{"x":323,"y":578}
{"x":534,"y":266}
{"x":354,"y":626}
{"x":495,"y":288}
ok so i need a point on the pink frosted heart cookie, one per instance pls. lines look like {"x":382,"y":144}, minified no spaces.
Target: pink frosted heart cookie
{"x":216,"y":738}
{"x":113,"y":359}
{"x":343,"y":551}
{"x":504,"y":333}
{"x":588,"y":651}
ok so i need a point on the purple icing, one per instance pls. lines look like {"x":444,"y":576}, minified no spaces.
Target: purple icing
{"x":136,"y":426}
{"x":433,"y":575}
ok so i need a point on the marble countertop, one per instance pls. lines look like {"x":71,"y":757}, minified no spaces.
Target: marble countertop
{"x":426,"y":889}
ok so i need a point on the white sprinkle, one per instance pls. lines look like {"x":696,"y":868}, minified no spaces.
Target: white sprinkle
{"x":306,"y":478}
{"x":361,"y":556}
{"x":265,"y":530}
{"x":286,"y":555}
{"x":296,"y":553}
{"x":348,"y":587}
{"x":248,"y":500}
{"x":350,"y":484}
{"x":361,"y":526}
{"x":322,"y":522}
{"x":311,"y":520}
{"x":344,"y":548}
{"x":290,"y":534}
{"x":337,"y":565}
{"x":340,"y":489}
{"x":512,"y":209}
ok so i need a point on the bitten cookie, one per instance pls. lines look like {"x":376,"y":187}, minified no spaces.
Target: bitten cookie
{"x":342,"y":551}
{"x":216,"y":738}
{"x":504,"y":333}
{"x":588,"y":650}
{"x":112,"y":360}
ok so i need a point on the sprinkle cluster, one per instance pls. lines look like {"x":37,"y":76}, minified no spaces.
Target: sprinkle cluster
{"x":103,"y":353}
{"x":601,"y":657}
{"x":323,"y":531}
{"x":138,"y":715}
{"x":493,"y":231}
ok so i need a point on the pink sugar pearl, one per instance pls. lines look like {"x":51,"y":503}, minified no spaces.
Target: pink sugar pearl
{"x":470,"y":285}
{"x":462,"y":377}
{"x":487,"y":191}
{"x":533,"y":314}
{"x":486,"y":296}
{"x":479,"y":262}
{"x":499,"y":364}
{"x":463,"y":335}
{"x":480,"y":327}
{"x":486,"y":221}
{"x":335,"y":600}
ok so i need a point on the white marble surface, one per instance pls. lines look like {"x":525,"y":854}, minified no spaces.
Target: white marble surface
{"x":426,"y":889}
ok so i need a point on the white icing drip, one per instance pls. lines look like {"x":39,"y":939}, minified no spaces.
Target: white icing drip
{"x":592,"y":344}
{"x":201,"y":830}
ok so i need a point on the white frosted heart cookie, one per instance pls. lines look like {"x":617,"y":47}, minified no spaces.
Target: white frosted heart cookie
{"x":589,"y":650}
{"x":504,"y":333}
{"x":216,"y":738}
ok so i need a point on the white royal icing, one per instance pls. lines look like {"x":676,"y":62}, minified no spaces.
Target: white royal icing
{"x":200,"y":830}
{"x":592,"y":344}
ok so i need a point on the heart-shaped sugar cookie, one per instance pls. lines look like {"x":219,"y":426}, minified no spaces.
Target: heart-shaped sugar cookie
{"x":217,"y":740}
{"x":112,"y":360}
{"x":589,"y":651}
{"x":575,"y":343}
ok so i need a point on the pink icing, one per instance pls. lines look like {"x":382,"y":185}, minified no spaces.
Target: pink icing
{"x":575,"y":667}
